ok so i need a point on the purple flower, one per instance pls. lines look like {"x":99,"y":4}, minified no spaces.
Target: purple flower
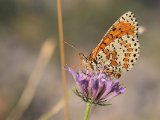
{"x":95,"y":87}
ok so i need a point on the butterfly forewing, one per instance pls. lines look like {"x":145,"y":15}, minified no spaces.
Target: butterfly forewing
{"x":119,"y":48}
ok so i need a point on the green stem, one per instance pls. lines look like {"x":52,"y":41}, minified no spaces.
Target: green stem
{"x":88,"y":108}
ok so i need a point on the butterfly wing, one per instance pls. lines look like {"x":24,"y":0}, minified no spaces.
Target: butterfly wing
{"x":119,"y":48}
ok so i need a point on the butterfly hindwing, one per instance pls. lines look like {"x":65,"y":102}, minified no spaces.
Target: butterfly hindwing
{"x":119,"y":48}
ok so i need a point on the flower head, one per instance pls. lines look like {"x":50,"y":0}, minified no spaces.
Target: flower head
{"x":95,"y":87}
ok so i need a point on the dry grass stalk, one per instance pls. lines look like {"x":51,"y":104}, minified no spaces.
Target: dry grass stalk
{"x":34,"y":79}
{"x":62,"y":55}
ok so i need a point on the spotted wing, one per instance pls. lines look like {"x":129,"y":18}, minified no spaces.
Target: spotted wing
{"x":119,"y":48}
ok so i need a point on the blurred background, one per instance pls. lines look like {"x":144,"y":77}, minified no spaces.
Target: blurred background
{"x":26,"y":24}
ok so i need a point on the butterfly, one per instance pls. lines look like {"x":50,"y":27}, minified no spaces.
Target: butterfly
{"x":118,"y":50}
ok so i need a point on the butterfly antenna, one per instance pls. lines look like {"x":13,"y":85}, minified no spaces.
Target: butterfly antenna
{"x":81,"y":55}
{"x":76,"y":49}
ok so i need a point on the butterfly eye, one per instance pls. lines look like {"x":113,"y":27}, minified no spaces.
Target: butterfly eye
{"x":81,"y":55}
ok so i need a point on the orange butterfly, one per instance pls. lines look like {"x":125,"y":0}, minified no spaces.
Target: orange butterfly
{"x":119,"y":48}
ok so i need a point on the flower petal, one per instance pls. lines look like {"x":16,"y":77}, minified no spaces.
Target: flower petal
{"x":95,"y":86}
{"x":116,"y":92}
{"x":70,"y":70}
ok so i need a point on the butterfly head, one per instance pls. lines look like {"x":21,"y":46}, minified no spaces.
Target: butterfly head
{"x":82,"y":58}
{"x":85,"y":62}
